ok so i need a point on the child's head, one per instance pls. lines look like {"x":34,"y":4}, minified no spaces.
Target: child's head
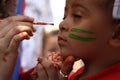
{"x":88,"y":30}
{"x":50,"y":42}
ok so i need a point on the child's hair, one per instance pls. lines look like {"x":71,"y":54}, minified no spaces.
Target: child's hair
{"x":107,"y":6}
{"x":3,"y":12}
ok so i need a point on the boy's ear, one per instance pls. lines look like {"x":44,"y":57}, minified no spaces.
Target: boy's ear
{"x":115,"y":39}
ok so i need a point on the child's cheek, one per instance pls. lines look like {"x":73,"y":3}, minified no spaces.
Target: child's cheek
{"x":88,"y":38}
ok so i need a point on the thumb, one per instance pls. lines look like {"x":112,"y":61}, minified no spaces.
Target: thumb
{"x":67,"y":65}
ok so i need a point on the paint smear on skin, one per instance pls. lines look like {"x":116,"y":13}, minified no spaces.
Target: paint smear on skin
{"x":81,"y":31}
{"x":4,"y":59}
{"x":86,"y":39}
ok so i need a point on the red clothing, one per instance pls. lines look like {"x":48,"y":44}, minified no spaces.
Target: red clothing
{"x":111,"y":73}
{"x":26,"y":75}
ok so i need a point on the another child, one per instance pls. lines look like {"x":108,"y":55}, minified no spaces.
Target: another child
{"x":50,"y":42}
{"x":91,"y":33}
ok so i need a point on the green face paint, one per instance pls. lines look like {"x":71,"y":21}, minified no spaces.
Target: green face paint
{"x":81,"y":38}
{"x":86,"y":39}
{"x":81,"y":31}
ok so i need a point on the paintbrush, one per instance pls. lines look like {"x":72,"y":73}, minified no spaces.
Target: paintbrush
{"x":38,"y":23}
{"x":42,"y":23}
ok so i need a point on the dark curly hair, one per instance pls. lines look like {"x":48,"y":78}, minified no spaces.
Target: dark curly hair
{"x":3,"y":13}
{"x":7,"y":7}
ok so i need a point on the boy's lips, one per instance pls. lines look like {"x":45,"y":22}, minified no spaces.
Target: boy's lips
{"x":60,"y":38}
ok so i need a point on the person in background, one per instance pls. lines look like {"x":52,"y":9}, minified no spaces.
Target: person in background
{"x":50,"y":42}
{"x":13,"y":29}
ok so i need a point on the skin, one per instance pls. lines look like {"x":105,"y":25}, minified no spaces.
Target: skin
{"x":11,"y":36}
{"x":13,"y":30}
{"x":97,"y":55}
{"x":78,"y":17}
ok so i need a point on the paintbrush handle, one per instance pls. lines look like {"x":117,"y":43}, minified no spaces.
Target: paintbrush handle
{"x":42,"y":23}
{"x":38,"y":23}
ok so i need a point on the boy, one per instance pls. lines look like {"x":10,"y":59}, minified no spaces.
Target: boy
{"x":88,"y":32}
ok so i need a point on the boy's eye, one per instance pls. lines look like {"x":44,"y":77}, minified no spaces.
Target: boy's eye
{"x":53,"y":50}
{"x":64,"y":18}
{"x":77,"y":16}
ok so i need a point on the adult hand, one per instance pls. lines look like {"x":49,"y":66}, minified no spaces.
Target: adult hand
{"x":12,"y":31}
{"x":47,"y":71}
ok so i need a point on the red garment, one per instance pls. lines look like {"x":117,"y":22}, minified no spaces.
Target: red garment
{"x":26,"y":75}
{"x":111,"y":73}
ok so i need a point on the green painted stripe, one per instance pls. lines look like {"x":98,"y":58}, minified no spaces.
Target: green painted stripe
{"x":81,"y":31}
{"x":81,"y":38}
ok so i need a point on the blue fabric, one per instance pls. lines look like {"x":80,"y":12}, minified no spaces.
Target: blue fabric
{"x":17,"y":67}
{"x":116,"y":9}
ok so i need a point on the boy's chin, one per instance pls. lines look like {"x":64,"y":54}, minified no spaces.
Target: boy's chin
{"x":64,"y":55}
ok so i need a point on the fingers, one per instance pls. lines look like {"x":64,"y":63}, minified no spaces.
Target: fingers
{"x":56,"y":59}
{"x":8,"y":23}
{"x":13,"y":31}
{"x":67,"y":65}
{"x":18,"y":29}
{"x":19,"y":18}
{"x":42,"y":73}
{"x":16,"y":40}
{"x":42,"y":70}
{"x":46,"y":70}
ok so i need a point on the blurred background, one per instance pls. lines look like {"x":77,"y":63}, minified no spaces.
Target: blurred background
{"x":41,"y":10}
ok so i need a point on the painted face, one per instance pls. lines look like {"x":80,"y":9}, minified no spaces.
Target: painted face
{"x":85,"y":30}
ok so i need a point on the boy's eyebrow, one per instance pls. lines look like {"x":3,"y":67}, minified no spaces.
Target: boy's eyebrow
{"x":79,"y":5}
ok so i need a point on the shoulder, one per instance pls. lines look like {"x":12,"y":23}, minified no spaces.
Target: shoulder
{"x":110,"y":73}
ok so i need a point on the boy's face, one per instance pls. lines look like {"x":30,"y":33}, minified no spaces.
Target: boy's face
{"x":86,"y":29}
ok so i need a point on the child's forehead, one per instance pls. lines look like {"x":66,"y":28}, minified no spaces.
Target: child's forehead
{"x":84,"y":3}
{"x":94,"y":2}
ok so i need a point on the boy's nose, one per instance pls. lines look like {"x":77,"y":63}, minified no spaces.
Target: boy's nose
{"x":63,"y":26}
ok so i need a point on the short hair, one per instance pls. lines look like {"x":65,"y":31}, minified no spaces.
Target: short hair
{"x":3,"y":1}
{"x":107,"y":6}
{"x":3,"y":13}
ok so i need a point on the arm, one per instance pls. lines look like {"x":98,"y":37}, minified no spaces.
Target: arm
{"x":12,"y":31}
